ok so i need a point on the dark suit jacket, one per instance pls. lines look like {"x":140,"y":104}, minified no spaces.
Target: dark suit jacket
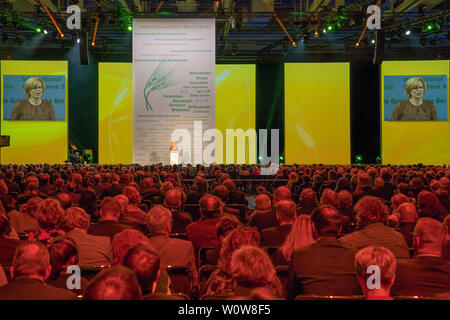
{"x":180,"y":220}
{"x":7,"y":249}
{"x":107,"y":228}
{"x":202,"y":233}
{"x":275,"y":236}
{"x":92,"y":250}
{"x":175,"y":252}
{"x":263,"y":219}
{"x":423,"y":276}
{"x":33,"y":289}
{"x":323,"y":268}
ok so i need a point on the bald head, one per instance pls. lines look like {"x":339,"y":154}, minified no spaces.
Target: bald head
{"x":430,"y":236}
{"x":209,"y":206}
{"x":407,"y":212}
{"x":172,"y":198}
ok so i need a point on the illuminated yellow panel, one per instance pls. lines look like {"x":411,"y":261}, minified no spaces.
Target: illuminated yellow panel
{"x":35,"y":141}
{"x":115,"y":113}
{"x":235,"y":108}
{"x":411,"y":142}
{"x":317,"y":113}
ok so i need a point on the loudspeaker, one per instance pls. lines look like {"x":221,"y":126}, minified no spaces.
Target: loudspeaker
{"x":84,"y":57}
{"x":379,"y":47}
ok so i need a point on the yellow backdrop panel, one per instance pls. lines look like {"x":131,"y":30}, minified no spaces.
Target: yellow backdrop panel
{"x":235,"y":108}
{"x":115,"y":113}
{"x":409,"y":142}
{"x":317,"y":113}
{"x":35,"y":141}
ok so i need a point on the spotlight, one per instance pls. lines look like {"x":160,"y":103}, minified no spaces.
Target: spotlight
{"x":373,"y":41}
{"x":329,"y":27}
{"x":45,"y":31}
{"x":38,"y":30}
{"x":324,"y":30}
{"x":359,"y":158}
{"x":78,"y":40}
{"x":130,"y":28}
{"x":429,"y":27}
{"x":408,"y":32}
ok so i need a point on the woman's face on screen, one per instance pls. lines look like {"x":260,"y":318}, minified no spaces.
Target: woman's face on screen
{"x":36,"y":92}
{"x":417,"y":92}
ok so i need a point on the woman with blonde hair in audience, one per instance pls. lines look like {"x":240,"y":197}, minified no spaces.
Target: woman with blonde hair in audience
{"x":220,"y":281}
{"x":301,"y":235}
{"x":252,"y":269}
{"x":49,"y":215}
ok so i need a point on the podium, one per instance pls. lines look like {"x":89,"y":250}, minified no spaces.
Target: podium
{"x":4,"y":142}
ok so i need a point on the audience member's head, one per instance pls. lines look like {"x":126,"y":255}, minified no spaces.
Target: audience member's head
{"x":308,"y":197}
{"x":380,"y":257}
{"x":262,"y":202}
{"x":49,"y":214}
{"x":429,"y":237}
{"x":172,"y":199}
{"x":63,"y":253}
{"x":285,"y":211}
{"x":221,"y":192}
{"x":145,"y":263}
{"x":371,"y":209}
{"x":407,"y":213}
{"x":429,"y":205}
{"x":233,"y":241}
{"x":110,"y":209}
{"x":75,"y":218}
{"x":398,"y":199}
{"x":301,"y":235}
{"x":326,"y":221}
{"x":226,"y":224}
{"x":329,"y":197}
{"x":31,"y":260}
{"x":251,"y":267}
{"x":281,"y":193}
{"x":132,"y":194}
{"x":159,"y":220}
{"x":210,"y":206}
{"x":115,"y":283}
{"x":123,"y":201}
{"x":364,"y":180}
{"x":345,"y":199}
{"x":123,"y":241}
{"x":65,"y":200}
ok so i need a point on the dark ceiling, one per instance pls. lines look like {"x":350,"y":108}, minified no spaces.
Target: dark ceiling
{"x":246,"y":29}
